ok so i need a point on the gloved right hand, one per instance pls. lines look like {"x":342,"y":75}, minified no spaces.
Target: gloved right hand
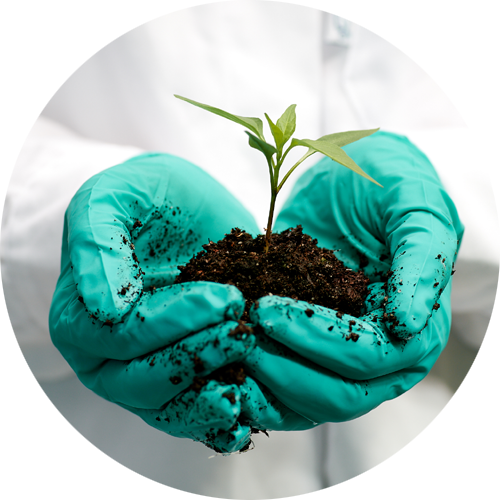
{"x":129,"y":334}
{"x":332,"y":367}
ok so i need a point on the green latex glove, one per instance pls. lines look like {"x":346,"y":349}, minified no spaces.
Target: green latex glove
{"x":128,"y":333}
{"x":331,"y":368}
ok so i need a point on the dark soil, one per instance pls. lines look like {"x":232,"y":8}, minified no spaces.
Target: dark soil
{"x":293,"y":267}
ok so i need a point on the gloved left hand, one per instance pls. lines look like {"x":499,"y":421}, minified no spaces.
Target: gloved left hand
{"x":333,"y":367}
{"x":129,"y":334}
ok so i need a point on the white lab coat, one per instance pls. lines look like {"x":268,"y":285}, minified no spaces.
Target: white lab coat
{"x":248,"y":58}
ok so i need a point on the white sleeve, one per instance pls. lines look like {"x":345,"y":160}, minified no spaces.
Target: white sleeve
{"x":53,"y":164}
{"x":468,"y":162}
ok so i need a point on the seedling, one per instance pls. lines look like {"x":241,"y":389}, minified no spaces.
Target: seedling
{"x":282,"y":131}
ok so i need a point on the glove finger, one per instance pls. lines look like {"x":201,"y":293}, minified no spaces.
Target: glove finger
{"x":195,"y":414}
{"x":236,"y":439}
{"x":209,"y":416}
{"x":261,"y":410}
{"x":321,"y":395}
{"x":152,"y":380}
{"x":357,"y":348}
{"x":419,"y":224}
{"x":158,"y":319}
{"x":141,"y":219}
{"x":421,"y":269}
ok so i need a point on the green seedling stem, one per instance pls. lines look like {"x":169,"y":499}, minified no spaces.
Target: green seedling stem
{"x":282,"y":131}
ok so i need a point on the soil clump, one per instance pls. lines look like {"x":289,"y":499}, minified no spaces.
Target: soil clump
{"x":294,"y":267}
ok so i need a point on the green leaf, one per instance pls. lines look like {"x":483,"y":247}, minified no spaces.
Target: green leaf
{"x":286,"y":122}
{"x":277,"y":133}
{"x":253,"y":124}
{"x":261,"y":145}
{"x":335,"y":153}
{"x":342,"y":139}
{"x":284,"y":127}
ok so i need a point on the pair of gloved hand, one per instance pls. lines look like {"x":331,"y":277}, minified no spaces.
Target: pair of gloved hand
{"x":139,"y":341}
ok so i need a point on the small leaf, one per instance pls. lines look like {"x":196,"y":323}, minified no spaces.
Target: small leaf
{"x":335,"y":153}
{"x":277,"y":134}
{"x":261,"y":145}
{"x":286,"y":122}
{"x":342,"y":139}
{"x":253,"y":124}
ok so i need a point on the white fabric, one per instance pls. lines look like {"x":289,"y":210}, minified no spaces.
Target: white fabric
{"x":229,"y":55}
{"x":53,"y":164}
{"x":248,"y":58}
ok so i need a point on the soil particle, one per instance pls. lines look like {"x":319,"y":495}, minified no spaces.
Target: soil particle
{"x":309,"y":312}
{"x":230,"y":397}
{"x":198,"y":384}
{"x":230,"y":374}
{"x":352,"y":336}
{"x":254,"y":430}
{"x":198,"y":364}
{"x":246,"y":447}
{"x":233,"y":373}
{"x":241,"y":331}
